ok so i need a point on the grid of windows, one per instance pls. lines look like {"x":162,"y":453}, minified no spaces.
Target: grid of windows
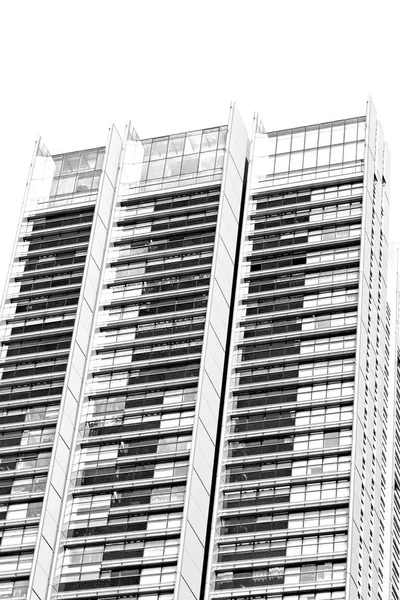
{"x":325,"y":572}
{"x":279,"y":548}
{"x":77,"y":173}
{"x":192,"y":157}
{"x":305,"y":153}
{"x":38,"y":322}
{"x":131,"y":467}
{"x":289,"y":432}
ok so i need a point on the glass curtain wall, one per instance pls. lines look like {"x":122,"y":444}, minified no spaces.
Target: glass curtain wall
{"x":37,"y":326}
{"x":283,"y":507}
{"x":123,"y":525}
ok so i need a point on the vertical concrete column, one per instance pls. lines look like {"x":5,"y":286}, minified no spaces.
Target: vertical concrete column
{"x":211,"y":380}
{"x":208,"y":582}
{"x":68,"y":422}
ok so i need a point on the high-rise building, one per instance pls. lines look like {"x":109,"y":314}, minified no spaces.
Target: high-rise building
{"x":195,"y":393}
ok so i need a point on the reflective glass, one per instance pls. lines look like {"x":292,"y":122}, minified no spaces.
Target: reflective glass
{"x":207,"y":161}
{"x":283,"y":143}
{"x":156,"y":169}
{"x":311,"y":137}
{"x":298,"y":139}
{"x":192,"y":143}
{"x":210,"y":140}
{"x":66,"y":185}
{"x":190,"y":164}
{"x":176,"y":144}
{"x":325,"y":135}
{"x":70,"y":164}
{"x":159,"y":148}
{"x":173,"y":166}
{"x":88,"y":160}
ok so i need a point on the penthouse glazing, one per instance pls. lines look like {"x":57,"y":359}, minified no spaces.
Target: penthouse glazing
{"x":211,"y":412}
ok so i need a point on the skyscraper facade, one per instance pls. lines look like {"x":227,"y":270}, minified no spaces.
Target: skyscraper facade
{"x":195,"y":391}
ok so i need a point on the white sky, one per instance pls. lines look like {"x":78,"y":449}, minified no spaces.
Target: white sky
{"x":70,"y":69}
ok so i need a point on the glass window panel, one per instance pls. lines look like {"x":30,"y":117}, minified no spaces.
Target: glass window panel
{"x":283,"y":143}
{"x":159,"y":149}
{"x":312,"y":521}
{"x":207,"y":161}
{"x":70,"y":164}
{"x":336,"y":154}
{"x":210,"y":140}
{"x":350,"y":151}
{"x":54,"y":185}
{"x":292,"y":549}
{"x":325,"y":136}
{"x":337,"y":134}
{"x":190,"y":164}
{"x":146,"y":150}
{"x":282,"y":163}
{"x":298,"y":137}
{"x":272,"y":138}
{"x":100,"y":159}
{"x":326,"y":546}
{"x":84,"y":183}
{"x":295,"y":523}
{"x":296,"y":161}
{"x":311,"y":138}
{"x":18,"y":512}
{"x":219,"y":163}
{"x":66,"y":185}
{"x":361,"y":130}
{"x":88,"y":160}
{"x":310,"y":159}
{"x":96,"y":181}
{"x":156,"y":169}
{"x":145,"y":167}
{"x":173,"y":166}
{"x":350,"y":134}
{"x":331,"y":440}
{"x":222,"y":138}
{"x":58,"y":163}
{"x":290,"y":577}
{"x":175,"y":146}
{"x":192,"y":143}
{"x":323,"y":156}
